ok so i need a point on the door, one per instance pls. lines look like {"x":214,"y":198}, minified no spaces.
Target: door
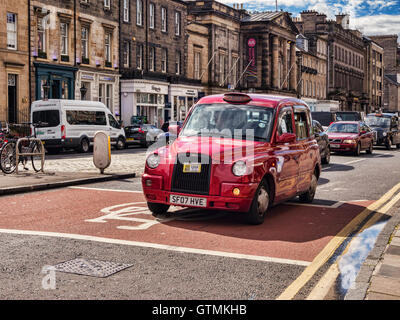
{"x":12,"y":98}
{"x":287,"y":157}
{"x":113,"y":128}
{"x":305,"y":144}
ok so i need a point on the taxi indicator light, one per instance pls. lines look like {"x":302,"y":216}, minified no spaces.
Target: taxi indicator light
{"x":236,"y":97}
{"x":236,"y":192}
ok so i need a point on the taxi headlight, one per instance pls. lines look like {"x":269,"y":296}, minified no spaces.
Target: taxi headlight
{"x":350,"y":141}
{"x":153,"y":160}
{"x":384,"y":134}
{"x":239,"y":168}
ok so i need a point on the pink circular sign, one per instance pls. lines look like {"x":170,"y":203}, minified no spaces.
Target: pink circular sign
{"x":251,"y":42}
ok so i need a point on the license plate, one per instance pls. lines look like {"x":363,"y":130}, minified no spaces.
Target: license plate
{"x":190,"y":201}
{"x":43,"y":142}
{"x":335,"y":145}
{"x":192,"y":168}
{"x":130,"y":139}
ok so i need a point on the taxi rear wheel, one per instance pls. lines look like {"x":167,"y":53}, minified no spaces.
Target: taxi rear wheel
{"x":308,"y":196}
{"x":157,"y":208}
{"x":259,"y":205}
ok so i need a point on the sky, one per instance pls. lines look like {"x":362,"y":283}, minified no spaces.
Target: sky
{"x":371,"y":17}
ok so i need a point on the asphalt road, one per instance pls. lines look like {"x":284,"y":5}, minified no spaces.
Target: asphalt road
{"x":196,"y":256}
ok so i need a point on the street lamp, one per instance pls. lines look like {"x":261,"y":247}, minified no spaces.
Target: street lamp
{"x":83,"y":92}
{"x":46,"y":89}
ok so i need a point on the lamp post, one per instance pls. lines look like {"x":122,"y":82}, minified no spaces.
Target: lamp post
{"x":46,"y":89}
{"x":83,"y":92}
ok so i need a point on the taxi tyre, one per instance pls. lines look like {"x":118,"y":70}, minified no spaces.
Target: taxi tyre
{"x":260,"y":204}
{"x":370,"y":149}
{"x":388,"y":144}
{"x":120,"y":144}
{"x":398,"y":146}
{"x":358,"y":150}
{"x":157,"y":208}
{"x":308,"y":196}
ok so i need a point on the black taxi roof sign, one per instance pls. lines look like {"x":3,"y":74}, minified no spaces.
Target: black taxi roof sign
{"x":236,"y":97}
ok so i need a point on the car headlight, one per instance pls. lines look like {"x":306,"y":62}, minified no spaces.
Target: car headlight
{"x":384,"y":134}
{"x":153,"y":160}
{"x":239,"y":168}
{"x":349,"y":141}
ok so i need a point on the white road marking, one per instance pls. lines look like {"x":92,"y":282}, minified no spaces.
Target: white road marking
{"x":99,"y":189}
{"x":354,"y":161}
{"x":156,"y":246}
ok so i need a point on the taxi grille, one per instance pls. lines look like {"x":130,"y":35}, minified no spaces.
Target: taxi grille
{"x":195,"y":183}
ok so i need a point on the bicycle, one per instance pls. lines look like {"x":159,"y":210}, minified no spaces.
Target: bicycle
{"x":8,"y":153}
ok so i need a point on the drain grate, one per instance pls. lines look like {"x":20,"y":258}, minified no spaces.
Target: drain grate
{"x":94,"y":268}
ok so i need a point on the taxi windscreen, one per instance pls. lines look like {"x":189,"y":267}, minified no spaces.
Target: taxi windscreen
{"x":374,"y":121}
{"x":230,"y":121}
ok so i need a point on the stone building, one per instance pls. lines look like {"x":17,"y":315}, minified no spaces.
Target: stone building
{"x":268,"y":50}
{"x":153,"y":42}
{"x":373,"y":79}
{"x":391,"y":60}
{"x":14,"y":62}
{"x":220,"y":68}
{"x":346,"y":58}
{"x":75,"y":47}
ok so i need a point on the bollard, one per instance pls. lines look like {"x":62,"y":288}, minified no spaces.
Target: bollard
{"x":101,"y":151}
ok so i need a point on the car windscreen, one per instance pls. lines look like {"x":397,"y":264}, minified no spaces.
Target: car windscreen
{"x":374,"y":121}
{"x":50,"y":118}
{"x":347,"y":116}
{"x":343,"y":127}
{"x":230,"y":121}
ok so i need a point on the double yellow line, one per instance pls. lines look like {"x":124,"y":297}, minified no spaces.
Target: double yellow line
{"x":320,"y":290}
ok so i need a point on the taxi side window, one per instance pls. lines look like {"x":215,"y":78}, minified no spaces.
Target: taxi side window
{"x":302,"y":124}
{"x":285,"y":122}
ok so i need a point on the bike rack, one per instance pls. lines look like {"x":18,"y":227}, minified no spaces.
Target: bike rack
{"x":18,"y":154}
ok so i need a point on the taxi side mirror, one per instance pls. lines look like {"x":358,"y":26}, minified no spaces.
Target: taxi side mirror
{"x":286,"y":138}
{"x":174,"y":129}
{"x":363,"y":132}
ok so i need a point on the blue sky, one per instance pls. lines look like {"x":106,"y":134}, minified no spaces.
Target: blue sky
{"x":372,"y":17}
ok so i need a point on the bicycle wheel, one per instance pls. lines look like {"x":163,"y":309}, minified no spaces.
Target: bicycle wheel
{"x":37,"y":147}
{"x":8,"y":158}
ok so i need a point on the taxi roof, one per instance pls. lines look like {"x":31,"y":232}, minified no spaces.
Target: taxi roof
{"x":258,"y":99}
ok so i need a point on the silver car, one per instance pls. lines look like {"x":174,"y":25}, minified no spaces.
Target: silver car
{"x":152,"y":132}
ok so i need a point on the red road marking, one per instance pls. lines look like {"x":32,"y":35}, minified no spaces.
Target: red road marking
{"x":289,"y":232}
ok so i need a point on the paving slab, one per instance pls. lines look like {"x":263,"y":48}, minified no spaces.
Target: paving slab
{"x":385,"y":285}
{"x":392,"y":260}
{"x":380,"y":296}
{"x":387,"y":270}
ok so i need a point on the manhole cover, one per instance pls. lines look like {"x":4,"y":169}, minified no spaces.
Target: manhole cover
{"x":94,"y":268}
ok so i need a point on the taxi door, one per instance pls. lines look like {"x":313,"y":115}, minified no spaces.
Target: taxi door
{"x":306,"y":144}
{"x":287,"y":156}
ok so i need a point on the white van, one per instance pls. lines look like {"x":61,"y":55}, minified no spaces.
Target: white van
{"x":73,"y":124}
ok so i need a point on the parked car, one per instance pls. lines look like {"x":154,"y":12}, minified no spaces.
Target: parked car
{"x":386,"y":127}
{"x":350,"y":136}
{"x":73,"y":124}
{"x":143,"y":134}
{"x":167,"y":135}
{"x":216,"y":164}
{"x":323,"y":142}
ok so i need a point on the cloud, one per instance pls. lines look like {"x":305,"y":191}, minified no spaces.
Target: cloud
{"x":378,"y":24}
{"x":380,"y":4}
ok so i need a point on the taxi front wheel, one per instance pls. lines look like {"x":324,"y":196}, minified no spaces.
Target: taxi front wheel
{"x":157,"y":208}
{"x":308,"y":196}
{"x":259,"y":205}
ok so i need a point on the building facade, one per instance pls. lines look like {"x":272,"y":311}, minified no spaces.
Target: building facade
{"x":268,"y":50}
{"x":75,"y":47}
{"x":153,"y":42}
{"x":391,"y":82}
{"x":14,"y":62}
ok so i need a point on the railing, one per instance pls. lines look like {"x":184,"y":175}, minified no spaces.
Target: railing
{"x":29,"y":152}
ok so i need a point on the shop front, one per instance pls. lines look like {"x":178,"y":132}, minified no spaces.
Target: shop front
{"x":144,"y":98}
{"x":182,"y":97}
{"x":54,"y":81}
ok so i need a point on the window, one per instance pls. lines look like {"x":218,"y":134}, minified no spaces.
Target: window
{"x":113,"y":123}
{"x":285,"y":121}
{"x":107,"y":47}
{"x":126,"y":54}
{"x":139,"y":56}
{"x":164,"y":61}
{"x":11,"y":31}
{"x":152,"y":59}
{"x":177,"y":62}
{"x":139,"y":12}
{"x":51,"y":117}
{"x":85,"y":43}
{"x":105,"y":94}
{"x":151,"y":18}
{"x":196,"y":69}
{"x":177,"y":23}
{"x":164,"y":19}
{"x":222,"y":69}
{"x":126,"y":10}
{"x":97,"y":118}
{"x":64,"y":38}
{"x":107,"y":4}
{"x":302,"y":124}
{"x":41,"y":36}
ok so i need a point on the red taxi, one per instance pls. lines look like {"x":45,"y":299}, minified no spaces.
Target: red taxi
{"x":350,"y":136}
{"x":236,"y":152}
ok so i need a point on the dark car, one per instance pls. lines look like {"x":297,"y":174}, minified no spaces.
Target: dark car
{"x":386,"y":129}
{"x":348,"y":116}
{"x":143,"y":134}
{"x":350,"y":136}
{"x":167,"y":135}
{"x":325,"y":118}
{"x":323,"y":142}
